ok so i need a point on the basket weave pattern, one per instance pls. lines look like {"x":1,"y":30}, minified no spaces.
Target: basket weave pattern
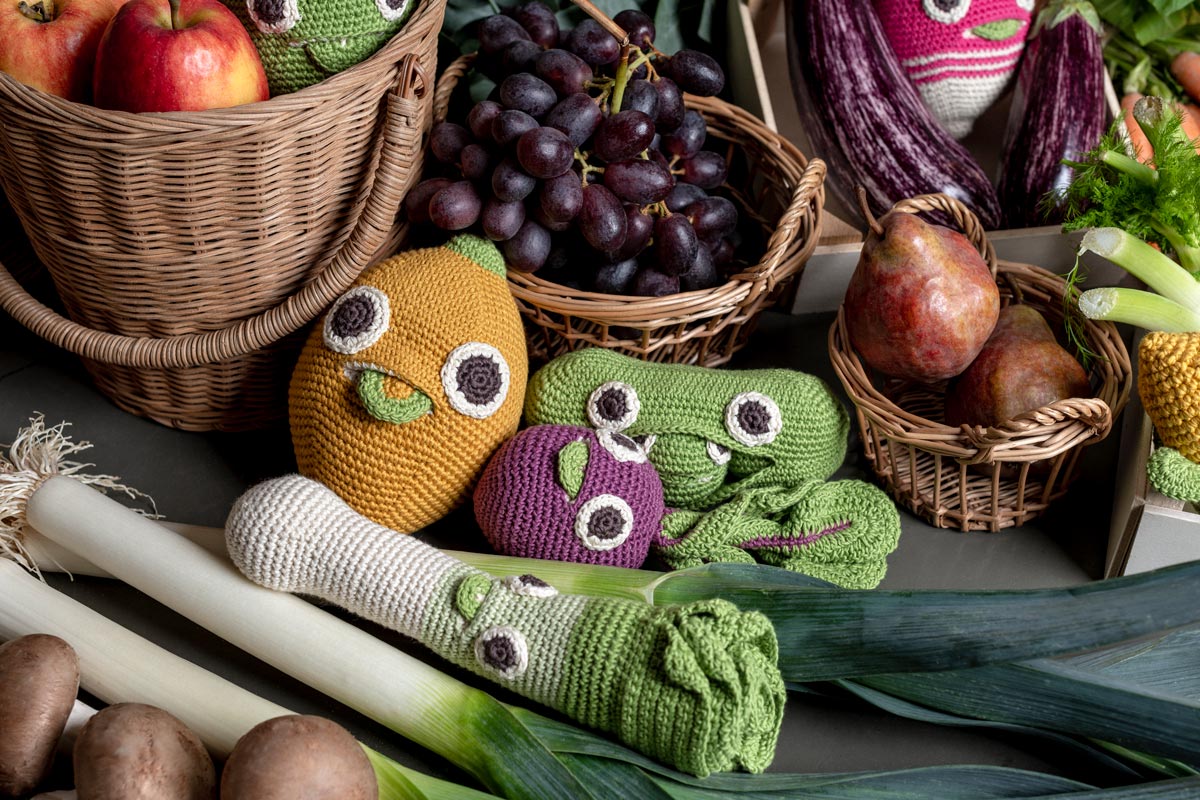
{"x":189,"y":248}
{"x":779,"y":189}
{"x":971,"y":477}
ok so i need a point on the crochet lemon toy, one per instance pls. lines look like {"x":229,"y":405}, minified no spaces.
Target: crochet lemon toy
{"x":409,"y":383}
{"x":302,"y":42}
{"x":1169,"y":385}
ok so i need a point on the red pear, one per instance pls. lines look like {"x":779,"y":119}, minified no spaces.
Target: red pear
{"x":921,"y":302}
{"x":1021,"y":368}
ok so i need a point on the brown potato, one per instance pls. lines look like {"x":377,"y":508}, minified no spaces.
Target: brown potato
{"x":298,"y":758}
{"x":39,"y":679}
{"x":131,"y":751}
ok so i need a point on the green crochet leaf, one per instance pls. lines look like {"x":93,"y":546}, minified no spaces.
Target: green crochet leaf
{"x":572,"y":466}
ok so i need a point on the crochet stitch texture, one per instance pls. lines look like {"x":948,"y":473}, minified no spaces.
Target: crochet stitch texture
{"x":696,"y":686}
{"x":1169,"y":386}
{"x":399,"y":415}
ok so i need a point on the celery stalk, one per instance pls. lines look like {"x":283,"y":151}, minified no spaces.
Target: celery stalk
{"x":1136,"y":307}
{"x":1145,"y":263}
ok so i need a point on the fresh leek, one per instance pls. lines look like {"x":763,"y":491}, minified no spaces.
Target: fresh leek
{"x":1145,"y":263}
{"x":1137,"y":307}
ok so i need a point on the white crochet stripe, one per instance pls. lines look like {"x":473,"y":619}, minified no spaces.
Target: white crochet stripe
{"x":917,"y":61}
{"x":293,"y":534}
{"x":997,"y":67}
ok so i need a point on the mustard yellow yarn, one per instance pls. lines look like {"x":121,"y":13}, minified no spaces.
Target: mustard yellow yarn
{"x":408,"y":470}
{"x":1169,"y":385}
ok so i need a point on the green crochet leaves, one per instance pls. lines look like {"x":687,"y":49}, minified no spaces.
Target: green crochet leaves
{"x":479,"y":250}
{"x":1172,"y":474}
{"x":382,"y":406}
{"x":572,"y":466}
{"x":718,"y":432}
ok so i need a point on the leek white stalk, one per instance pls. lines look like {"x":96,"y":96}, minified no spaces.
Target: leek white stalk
{"x":118,"y":666}
{"x":1145,"y":263}
{"x":1136,"y":307}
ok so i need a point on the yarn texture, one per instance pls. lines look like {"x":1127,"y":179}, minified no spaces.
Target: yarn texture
{"x":398,"y":405}
{"x":696,"y":686}
{"x":1169,"y":386}
{"x":302,"y":42}
{"x":960,"y":55}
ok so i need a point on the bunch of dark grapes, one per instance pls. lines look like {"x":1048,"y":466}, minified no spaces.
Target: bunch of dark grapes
{"x":584,"y":162}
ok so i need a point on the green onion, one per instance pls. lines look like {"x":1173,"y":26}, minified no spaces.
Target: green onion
{"x":1145,"y":263}
{"x":118,"y":666}
{"x":1136,"y":307}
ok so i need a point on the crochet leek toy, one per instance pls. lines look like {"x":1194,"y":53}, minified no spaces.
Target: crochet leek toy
{"x":696,"y":686}
{"x":717,"y":433}
{"x":1169,"y":386}
{"x":409,"y":383}
{"x":302,"y":42}
{"x":575,"y":494}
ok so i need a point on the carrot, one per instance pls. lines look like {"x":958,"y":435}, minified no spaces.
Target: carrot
{"x":1142,"y":150}
{"x":1186,"y":69}
{"x":1191,"y":122}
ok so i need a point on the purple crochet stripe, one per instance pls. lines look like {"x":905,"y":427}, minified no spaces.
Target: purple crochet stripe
{"x":788,"y":542}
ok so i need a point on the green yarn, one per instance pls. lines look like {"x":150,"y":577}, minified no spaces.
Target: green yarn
{"x":481,"y":251}
{"x":379,"y":404}
{"x":685,"y":407}
{"x":572,"y":466}
{"x":470,"y":594}
{"x":329,"y":36}
{"x":842,"y":528}
{"x":1173,"y":474}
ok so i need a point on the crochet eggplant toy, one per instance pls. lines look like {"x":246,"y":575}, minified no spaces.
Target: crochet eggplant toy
{"x":410,"y":382}
{"x":568,"y":493}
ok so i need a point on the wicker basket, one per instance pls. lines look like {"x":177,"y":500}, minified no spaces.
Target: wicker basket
{"x":779,"y":189}
{"x":975,"y":478}
{"x":191,"y":249}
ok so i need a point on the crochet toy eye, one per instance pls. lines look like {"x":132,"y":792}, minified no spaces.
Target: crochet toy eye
{"x":753,"y":419}
{"x":719,"y":453}
{"x":475,"y":378}
{"x":614,"y":406}
{"x":947,"y":11}
{"x":529,"y":586}
{"x":646,"y":440}
{"x":504,"y":651}
{"x":357,"y":320}
{"x":621,"y":447}
{"x":604,"y":522}
{"x":1026,"y":5}
{"x":274,"y":16}
{"x":392,"y":10}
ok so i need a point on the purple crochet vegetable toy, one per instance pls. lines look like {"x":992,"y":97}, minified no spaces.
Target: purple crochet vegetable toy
{"x":591,"y":496}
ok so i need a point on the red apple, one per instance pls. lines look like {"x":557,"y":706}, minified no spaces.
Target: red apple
{"x":177,"y":55}
{"x":51,"y":44}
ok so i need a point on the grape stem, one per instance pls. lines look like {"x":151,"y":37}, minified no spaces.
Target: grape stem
{"x":625,"y":71}
{"x":586,"y":167}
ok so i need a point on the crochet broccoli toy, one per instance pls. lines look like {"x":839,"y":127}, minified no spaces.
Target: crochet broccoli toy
{"x":1168,"y":385}
{"x":302,"y":42}
{"x":591,"y":496}
{"x":696,"y":686}
{"x":410,"y":382}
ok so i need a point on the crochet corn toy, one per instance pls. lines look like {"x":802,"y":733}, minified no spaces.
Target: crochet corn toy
{"x":1169,"y":386}
{"x":575,"y":494}
{"x":302,"y":42}
{"x":960,"y":54}
{"x":696,"y":686}
{"x":409,"y":383}
{"x":716,"y":433}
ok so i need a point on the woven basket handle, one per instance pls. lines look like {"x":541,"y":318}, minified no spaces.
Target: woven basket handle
{"x":996,"y":442}
{"x":254,"y":333}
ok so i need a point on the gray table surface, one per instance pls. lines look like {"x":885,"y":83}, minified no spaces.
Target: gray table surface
{"x":195,"y":477}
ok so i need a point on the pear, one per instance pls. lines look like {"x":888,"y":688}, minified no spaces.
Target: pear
{"x":1021,"y":368}
{"x":921,"y":302}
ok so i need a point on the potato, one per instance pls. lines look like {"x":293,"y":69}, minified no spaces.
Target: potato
{"x":298,"y":758}
{"x":39,"y":679}
{"x":131,"y":751}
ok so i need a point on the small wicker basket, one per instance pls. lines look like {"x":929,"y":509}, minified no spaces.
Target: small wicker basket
{"x":780,"y":189}
{"x":976,"y":478}
{"x":191,"y":249}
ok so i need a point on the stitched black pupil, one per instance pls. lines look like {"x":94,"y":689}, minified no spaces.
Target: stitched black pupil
{"x":947,"y":5}
{"x":479,"y":380}
{"x":606,"y":523}
{"x":720,"y":449}
{"x":533,"y":580}
{"x":270,"y":11}
{"x":625,"y":441}
{"x":353,"y":316}
{"x":754,"y":418}
{"x":396,"y":4}
{"x":612,"y":405}
{"x":500,"y":652}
